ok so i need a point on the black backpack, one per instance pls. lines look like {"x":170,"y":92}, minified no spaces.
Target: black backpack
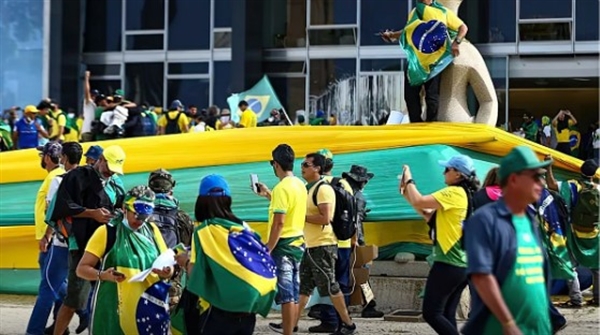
{"x":345,"y":216}
{"x":173,"y":124}
{"x":175,"y":225}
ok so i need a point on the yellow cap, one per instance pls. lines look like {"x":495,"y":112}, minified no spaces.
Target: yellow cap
{"x":31,"y":109}
{"x":115,"y":158}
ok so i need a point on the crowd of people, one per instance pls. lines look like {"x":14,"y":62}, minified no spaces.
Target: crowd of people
{"x":94,"y":237}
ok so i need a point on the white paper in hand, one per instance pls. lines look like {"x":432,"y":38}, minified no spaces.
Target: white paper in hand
{"x":165,"y":259}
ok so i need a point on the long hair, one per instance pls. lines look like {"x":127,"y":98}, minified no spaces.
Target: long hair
{"x":471,"y":185}
{"x":209,"y":207}
{"x":492,"y":179}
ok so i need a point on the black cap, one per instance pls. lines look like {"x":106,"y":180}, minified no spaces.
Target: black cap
{"x":589,"y":168}
{"x":44,"y":104}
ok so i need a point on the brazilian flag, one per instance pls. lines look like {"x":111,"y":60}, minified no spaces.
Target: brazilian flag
{"x":427,"y":42}
{"x":233,"y":270}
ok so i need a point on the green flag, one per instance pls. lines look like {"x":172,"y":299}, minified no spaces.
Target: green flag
{"x":261,"y":99}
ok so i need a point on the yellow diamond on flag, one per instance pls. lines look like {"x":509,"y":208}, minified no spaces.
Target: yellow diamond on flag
{"x":257,"y":103}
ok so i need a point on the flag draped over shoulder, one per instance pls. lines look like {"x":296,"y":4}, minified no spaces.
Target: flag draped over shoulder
{"x":427,"y":42}
{"x":553,"y":216}
{"x":233,"y":270}
{"x":261,"y":99}
{"x":137,"y":307}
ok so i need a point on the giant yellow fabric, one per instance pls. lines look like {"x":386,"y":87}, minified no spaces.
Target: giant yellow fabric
{"x":175,"y":152}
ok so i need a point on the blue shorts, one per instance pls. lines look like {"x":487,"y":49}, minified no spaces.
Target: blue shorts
{"x":288,"y":279}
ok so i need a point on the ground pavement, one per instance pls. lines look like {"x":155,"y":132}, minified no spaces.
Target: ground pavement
{"x":15,"y":311}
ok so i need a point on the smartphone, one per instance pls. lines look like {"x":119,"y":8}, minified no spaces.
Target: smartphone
{"x":118,"y":274}
{"x":401,"y":179}
{"x":254,"y":183}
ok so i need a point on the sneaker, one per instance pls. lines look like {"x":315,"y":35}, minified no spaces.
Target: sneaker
{"x":371,"y":312}
{"x":558,"y":328}
{"x":346,"y":330}
{"x":314,"y":314}
{"x":323,"y":328}
{"x":83,"y":324}
{"x":50,"y":330}
{"x":278,"y":327}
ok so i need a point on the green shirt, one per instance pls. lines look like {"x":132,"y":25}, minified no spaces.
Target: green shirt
{"x":524,"y":290}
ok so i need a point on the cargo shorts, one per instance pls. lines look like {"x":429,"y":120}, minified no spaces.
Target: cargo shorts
{"x":317,"y":269}
{"x":78,"y":290}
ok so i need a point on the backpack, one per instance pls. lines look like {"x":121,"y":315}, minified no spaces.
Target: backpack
{"x":149,"y":124}
{"x":172,"y":124}
{"x":585,"y":211}
{"x":345,"y":218}
{"x":68,"y":125}
{"x":175,"y":225}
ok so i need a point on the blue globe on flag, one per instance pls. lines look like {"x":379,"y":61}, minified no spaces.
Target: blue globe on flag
{"x":255,"y":105}
{"x":429,"y":37}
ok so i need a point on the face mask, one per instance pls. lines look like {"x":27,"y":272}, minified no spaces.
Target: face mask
{"x":71,"y":115}
{"x":225,"y":118}
{"x":126,"y":223}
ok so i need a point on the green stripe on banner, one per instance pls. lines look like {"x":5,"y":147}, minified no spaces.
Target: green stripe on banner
{"x":19,"y":281}
{"x":17,"y":200}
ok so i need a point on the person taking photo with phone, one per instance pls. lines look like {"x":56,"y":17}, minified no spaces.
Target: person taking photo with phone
{"x":445,"y":211}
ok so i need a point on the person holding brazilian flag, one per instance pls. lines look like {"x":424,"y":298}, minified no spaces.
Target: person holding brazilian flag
{"x":431,"y":40}
{"x":125,"y":247}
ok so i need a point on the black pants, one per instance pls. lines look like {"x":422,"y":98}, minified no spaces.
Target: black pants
{"x":412,"y":97}
{"x":214,"y":321}
{"x":443,"y":289}
{"x":564,"y":147}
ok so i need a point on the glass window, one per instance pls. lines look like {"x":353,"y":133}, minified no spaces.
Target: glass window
{"x":222,"y":39}
{"x":104,"y":69}
{"x":223,"y":13}
{"x":222,"y":83}
{"x":501,"y":17}
{"x":332,"y":84}
{"x":375,"y":65}
{"x":143,"y":14}
{"x":188,"y":68}
{"x":386,"y":14}
{"x":284,"y":24}
{"x":189,"y":24}
{"x":545,"y":31}
{"x":189,"y":91}
{"x":144,"y":42}
{"x":545,"y":9}
{"x":21,"y":52}
{"x":345,"y":36}
{"x":284,"y":67}
{"x":291,"y":93}
{"x":102,"y":26}
{"x":326,"y":12}
{"x":497,"y":68}
{"x":586,"y":28}
{"x":380,"y":93}
{"x":144,"y":82}
{"x":106,"y":87}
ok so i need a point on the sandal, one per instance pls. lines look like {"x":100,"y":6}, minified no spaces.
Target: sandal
{"x":569,"y":304}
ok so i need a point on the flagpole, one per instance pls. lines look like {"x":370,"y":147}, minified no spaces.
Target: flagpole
{"x":286,"y":116}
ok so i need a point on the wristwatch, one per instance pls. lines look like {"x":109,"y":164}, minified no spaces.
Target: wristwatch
{"x":411,"y":181}
{"x":458,"y":40}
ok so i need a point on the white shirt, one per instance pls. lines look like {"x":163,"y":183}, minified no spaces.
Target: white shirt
{"x":89,"y":114}
{"x":200,"y":127}
{"x":547,"y":131}
{"x":596,"y":139}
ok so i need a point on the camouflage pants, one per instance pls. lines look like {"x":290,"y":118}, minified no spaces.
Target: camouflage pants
{"x":176,"y":289}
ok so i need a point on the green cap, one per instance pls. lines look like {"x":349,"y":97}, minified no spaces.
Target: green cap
{"x":119,"y":93}
{"x":326,"y":153}
{"x":519,"y":159}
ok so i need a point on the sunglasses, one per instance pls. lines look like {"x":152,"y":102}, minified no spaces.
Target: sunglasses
{"x":536,"y":176}
{"x":306,"y":164}
{"x":446,"y":170}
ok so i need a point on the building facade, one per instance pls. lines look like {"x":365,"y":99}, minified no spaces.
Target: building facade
{"x":319,"y":54}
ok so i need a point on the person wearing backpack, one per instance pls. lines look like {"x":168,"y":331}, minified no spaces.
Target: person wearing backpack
{"x":582,"y":197}
{"x":174,"y":121}
{"x":174,"y":224}
{"x":322,"y":230}
{"x":452,"y":205}
{"x":59,"y":127}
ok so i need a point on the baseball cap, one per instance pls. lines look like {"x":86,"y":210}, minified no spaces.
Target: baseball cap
{"x":119,"y":93}
{"x":589,"y":168}
{"x":94,"y":92}
{"x":461,"y":163}
{"x":44,"y":104}
{"x":94,"y":152}
{"x":214,"y":185}
{"x":176,"y":104}
{"x":326,"y":153}
{"x":161,"y":181}
{"x":115,"y":158}
{"x":52,"y":149}
{"x":519,"y":159}
{"x":31,"y":109}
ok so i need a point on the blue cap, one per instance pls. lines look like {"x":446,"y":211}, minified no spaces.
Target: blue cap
{"x":94,"y":152}
{"x":461,"y":163}
{"x":214,"y":185}
{"x":176,"y":104}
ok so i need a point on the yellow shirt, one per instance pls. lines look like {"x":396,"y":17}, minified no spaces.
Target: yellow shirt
{"x":347,"y":243}
{"x":183,"y":120}
{"x":452,"y":20}
{"x":40,"y":203}
{"x":449,"y":218}
{"x":219,"y":125}
{"x":97,"y":243}
{"x":565,"y":134}
{"x":57,"y":123}
{"x":289,"y":198}
{"x":317,"y":235}
{"x":248,"y":119}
